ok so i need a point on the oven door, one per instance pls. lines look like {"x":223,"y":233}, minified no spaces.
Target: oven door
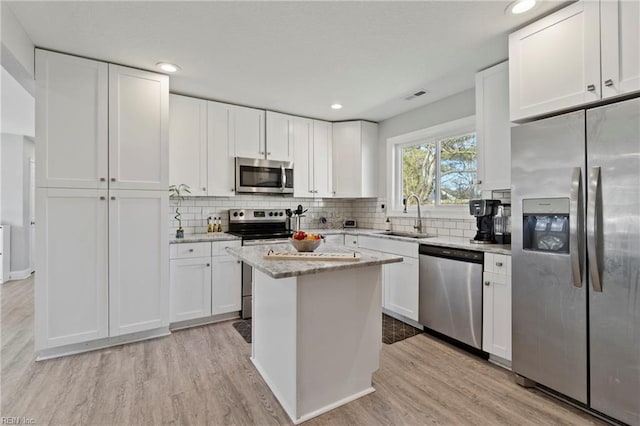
{"x":264,"y":176}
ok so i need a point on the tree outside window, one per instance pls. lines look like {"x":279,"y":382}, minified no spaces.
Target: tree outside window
{"x":441,"y":171}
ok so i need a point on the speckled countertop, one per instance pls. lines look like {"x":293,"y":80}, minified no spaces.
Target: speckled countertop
{"x":203,"y":238}
{"x":254,"y":256}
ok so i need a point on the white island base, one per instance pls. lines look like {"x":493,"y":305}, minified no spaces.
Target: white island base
{"x":317,"y":338}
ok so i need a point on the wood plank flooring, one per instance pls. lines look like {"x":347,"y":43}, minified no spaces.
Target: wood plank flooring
{"x":203,"y":376}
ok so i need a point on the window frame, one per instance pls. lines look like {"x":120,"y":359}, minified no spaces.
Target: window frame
{"x":394,"y":166}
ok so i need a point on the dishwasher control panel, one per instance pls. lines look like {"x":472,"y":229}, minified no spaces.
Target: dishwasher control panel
{"x":452,"y":253}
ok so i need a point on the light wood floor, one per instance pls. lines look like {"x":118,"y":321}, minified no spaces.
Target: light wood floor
{"x":203,"y":376}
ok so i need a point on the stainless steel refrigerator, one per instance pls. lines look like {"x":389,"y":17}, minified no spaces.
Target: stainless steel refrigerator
{"x":576,"y":256}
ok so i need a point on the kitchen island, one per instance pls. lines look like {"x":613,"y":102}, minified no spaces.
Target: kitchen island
{"x":316,"y":327}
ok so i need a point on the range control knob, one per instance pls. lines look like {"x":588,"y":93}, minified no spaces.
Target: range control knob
{"x":235,"y":214}
{"x":241,"y":214}
{"x":270,"y":213}
{"x":280,"y":214}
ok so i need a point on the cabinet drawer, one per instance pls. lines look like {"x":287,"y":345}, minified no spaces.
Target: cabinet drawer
{"x":496,"y":263}
{"x":401,"y":248}
{"x":188,"y":250}
{"x":219,"y":248}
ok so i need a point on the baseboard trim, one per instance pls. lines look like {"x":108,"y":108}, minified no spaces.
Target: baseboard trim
{"x":179,"y":325}
{"x":19,"y":275}
{"x":77,"y":348}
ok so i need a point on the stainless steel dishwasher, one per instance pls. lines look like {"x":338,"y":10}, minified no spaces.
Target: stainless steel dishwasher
{"x":450,"y":300}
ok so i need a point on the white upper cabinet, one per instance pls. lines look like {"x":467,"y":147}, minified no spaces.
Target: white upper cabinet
{"x":188,"y":143}
{"x":620,"y":47}
{"x":279,"y":144}
{"x":322,"y":159}
{"x":312,"y":159}
{"x":493,"y":128}
{"x":221,"y":150}
{"x":555,"y":63}
{"x":248,"y":132}
{"x":355,"y":159}
{"x":138,"y":129}
{"x":138,"y":261}
{"x":71,"y":121}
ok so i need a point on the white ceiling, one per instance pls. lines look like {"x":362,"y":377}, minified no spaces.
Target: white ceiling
{"x":294,"y":57}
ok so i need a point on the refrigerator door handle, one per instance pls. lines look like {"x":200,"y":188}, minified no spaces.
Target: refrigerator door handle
{"x":575,"y":227}
{"x":592,"y":232}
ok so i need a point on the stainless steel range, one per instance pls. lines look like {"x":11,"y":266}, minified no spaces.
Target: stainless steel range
{"x":257,"y":227}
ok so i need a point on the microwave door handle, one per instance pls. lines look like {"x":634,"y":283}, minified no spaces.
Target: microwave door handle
{"x":592,"y":231}
{"x":284,"y":178}
{"x":575,"y":227}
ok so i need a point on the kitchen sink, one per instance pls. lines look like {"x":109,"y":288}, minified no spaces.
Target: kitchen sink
{"x":407,"y":234}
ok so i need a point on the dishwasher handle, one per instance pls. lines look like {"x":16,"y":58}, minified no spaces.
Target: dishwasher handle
{"x":452,"y":253}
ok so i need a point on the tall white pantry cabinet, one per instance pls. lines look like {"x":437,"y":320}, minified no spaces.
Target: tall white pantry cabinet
{"x":102,"y":200}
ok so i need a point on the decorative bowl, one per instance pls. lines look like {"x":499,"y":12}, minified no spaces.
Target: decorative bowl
{"x":305,"y":245}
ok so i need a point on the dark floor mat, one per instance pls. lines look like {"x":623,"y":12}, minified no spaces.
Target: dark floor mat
{"x":244,"y":328}
{"x":394,"y":331}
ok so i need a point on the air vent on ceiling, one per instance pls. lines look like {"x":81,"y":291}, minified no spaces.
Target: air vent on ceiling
{"x":417,"y":93}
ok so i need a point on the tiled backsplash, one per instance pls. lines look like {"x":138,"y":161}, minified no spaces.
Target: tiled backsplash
{"x":367,"y":212}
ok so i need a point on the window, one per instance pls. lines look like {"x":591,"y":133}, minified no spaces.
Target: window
{"x":438,"y":164}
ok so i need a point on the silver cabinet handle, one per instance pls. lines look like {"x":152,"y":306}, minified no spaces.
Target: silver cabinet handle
{"x":591,"y":87}
{"x":261,"y":152}
{"x":204,"y":189}
{"x":103,"y":198}
{"x":575,"y":227}
{"x":208,"y":264}
{"x":190,"y":250}
{"x":113,"y":179}
{"x":479,"y":182}
{"x":268,"y":153}
{"x":103,"y":179}
{"x":592,"y":231}
{"x":233,"y":190}
{"x":487,"y":283}
{"x":113,"y":198}
{"x":608,"y":83}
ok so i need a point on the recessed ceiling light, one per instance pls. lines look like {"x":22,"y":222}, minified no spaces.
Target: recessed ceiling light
{"x":167,"y":67}
{"x":521,"y":6}
{"x":336,"y":106}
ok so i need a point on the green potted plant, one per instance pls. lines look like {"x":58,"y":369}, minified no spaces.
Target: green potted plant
{"x":178,"y":192}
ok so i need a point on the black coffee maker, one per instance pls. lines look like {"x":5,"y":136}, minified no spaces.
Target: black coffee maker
{"x":484,"y":210}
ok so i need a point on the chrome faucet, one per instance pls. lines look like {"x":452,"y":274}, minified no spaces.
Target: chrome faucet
{"x":418,"y":225}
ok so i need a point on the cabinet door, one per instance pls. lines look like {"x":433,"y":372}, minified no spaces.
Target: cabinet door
{"x":221,"y":161}
{"x":188,"y":143}
{"x":226,"y":293}
{"x":138,"y":129}
{"x":402,"y":287}
{"x":493,"y":128}
{"x":322,"y":161}
{"x":554,"y":63}
{"x":248,"y":132}
{"x":71,"y":121}
{"x":496,"y":315}
{"x":302,"y":157}
{"x":138,"y":261}
{"x":190,"y":283}
{"x":347,"y":164}
{"x":71,"y":291}
{"x":279,"y":136}
{"x":620,"y":42}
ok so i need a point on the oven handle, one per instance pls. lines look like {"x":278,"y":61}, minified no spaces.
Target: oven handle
{"x":264,"y":242}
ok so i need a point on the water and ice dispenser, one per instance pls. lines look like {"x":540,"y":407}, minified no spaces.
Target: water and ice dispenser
{"x":545,"y":225}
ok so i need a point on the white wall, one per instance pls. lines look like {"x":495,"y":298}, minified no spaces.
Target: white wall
{"x":16,"y":151}
{"x":17,"y":47}
{"x":18,"y":107}
{"x":457,"y":106}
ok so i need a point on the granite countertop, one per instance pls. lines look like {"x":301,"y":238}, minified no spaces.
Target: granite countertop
{"x":203,"y":238}
{"x":254,"y":256}
{"x":465,"y":243}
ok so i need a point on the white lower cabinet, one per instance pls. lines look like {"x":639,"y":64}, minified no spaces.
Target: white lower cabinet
{"x":399,"y":280}
{"x":102,"y":261}
{"x":401,"y":287}
{"x":226,"y":292}
{"x":190,"y":288}
{"x":205,"y":280}
{"x":334,"y":239}
{"x":496,"y":310}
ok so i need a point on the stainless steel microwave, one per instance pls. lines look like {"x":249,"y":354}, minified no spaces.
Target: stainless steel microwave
{"x":264,"y":176}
